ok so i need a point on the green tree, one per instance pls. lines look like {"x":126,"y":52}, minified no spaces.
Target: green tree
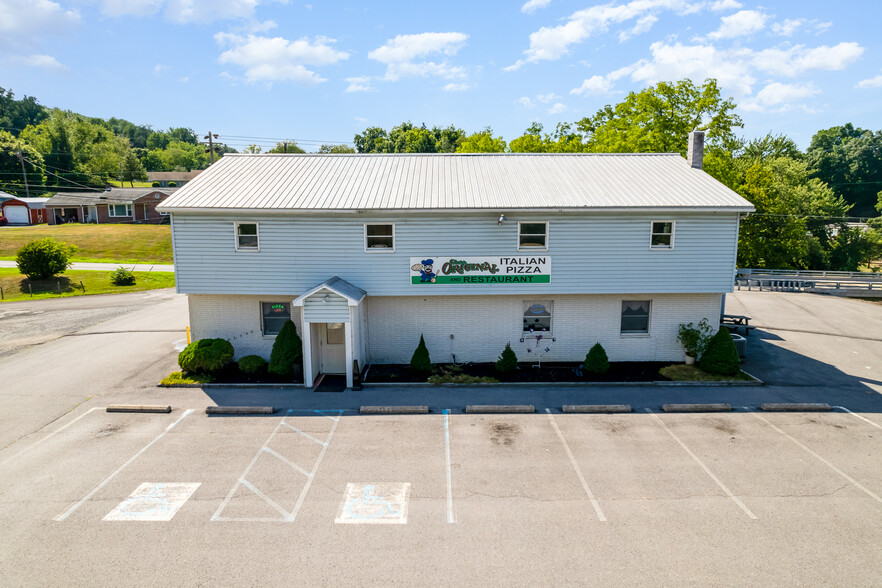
{"x":658,"y":119}
{"x":40,"y":260}
{"x":508,"y":361}
{"x":849,"y":159}
{"x":720,"y":357}
{"x":336,"y":149}
{"x":11,"y":179}
{"x":482,"y":142}
{"x":531,"y":141}
{"x":291,"y":147}
{"x":287,"y":352}
{"x":16,"y":115}
{"x":373,"y":140}
{"x":132,"y":170}
{"x":420,"y":362}
{"x":596,"y":360}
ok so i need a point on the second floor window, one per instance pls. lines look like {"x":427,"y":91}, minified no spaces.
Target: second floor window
{"x":662,"y":236}
{"x":532,"y":236}
{"x":379,"y":237}
{"x":247,"y":237}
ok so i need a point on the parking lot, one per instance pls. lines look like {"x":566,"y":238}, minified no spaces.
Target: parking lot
{"x":323,"y":497}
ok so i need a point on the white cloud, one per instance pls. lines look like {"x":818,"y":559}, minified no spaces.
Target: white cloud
{"x":456,"y":87}
{"x":270,"y":59}
{"x":159,"y":68}
{"x":740,"y":24}
{"x":45,"y":62}
{"x":787,"y":27}
{"x":131,"y":7}
{"x":874,"y":82}
{"x":674,"y":62}
{"x":642,"y":26}
{"x":400,"y":55}
{"x":24,"y":21}
{"x":184,"y":79}
{"x":525,"y":102}
{"x":798,"y":59}
{"x":593,"y":86}
{"x":779,"y":97}
{"x":551,"y":43}
{"x":183,"y":11}
{"x":721,"y":5}
{"x":532,"y":5}
{"x":557,"y":108}
{"x":546,"y":98}
{"x":359,"y":84}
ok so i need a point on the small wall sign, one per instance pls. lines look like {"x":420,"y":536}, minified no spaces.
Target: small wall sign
{"x":428,"y":271}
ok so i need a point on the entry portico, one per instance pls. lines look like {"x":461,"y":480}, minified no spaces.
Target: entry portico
{"x":333,"y":307}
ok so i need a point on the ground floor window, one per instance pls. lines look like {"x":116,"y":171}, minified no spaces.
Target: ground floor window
{"x":635,"y":316}
{"x":120,"y":209}
{"x":537,"y":317}
{"x":336,"y":333}
{"x":274,"y":315}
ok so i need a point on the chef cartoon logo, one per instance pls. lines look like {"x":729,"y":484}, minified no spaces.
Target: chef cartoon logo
{"x":425,"y":268}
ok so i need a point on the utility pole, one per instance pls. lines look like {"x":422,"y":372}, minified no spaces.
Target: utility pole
{"x":24,"y":174}
{"x":210,"y":137}
{"x":286,"y":146}
{"x":120,"y":174}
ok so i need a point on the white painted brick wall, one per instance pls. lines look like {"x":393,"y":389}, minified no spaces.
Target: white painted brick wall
{"x":481,"y":326}
{"x":237,"y":319}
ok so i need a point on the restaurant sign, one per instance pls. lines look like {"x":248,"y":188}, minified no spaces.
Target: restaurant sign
{"x":480,"y":270}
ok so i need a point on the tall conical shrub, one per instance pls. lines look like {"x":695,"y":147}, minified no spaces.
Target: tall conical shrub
{"x":720,"y":357}
{"x":596,"y":361}
{"x":508,"y":361}
{"x":420,"y":362}
{"x":287,"y":351}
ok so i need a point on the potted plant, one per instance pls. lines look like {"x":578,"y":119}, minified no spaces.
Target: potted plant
{"x":694,"y":339}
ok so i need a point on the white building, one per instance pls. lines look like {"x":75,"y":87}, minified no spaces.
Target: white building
{"x":367,"y":252}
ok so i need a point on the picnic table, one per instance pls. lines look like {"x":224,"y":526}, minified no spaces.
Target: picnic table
{"x":733,"y":322}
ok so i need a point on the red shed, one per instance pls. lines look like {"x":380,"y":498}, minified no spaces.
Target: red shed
{"x":24,"y":211}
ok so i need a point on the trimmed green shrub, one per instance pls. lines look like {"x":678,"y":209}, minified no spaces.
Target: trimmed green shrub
{"x":421,"y":363}
{"x":508,"y":361}
{"x":287,"y":351}
{"x":155,"y":184}
{"x":694,"y":338}
{"x":596,"y":361}
{"x":122,"y":277}
{"x":40,"y":260}
{"x":252,"y":365}
{"x":172,"y":185}
{"x":720,"y":357}
{"x":206,"y":355}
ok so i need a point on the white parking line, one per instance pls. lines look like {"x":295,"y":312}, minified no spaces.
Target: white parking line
{"x":447,"y":456}
{"x":69,"y":511}
{"x":866,"y":420}
{"x":593,"y":500}
{"x":722,"y":486}
{"x":51,"y":434}
{"x":856,"y":484}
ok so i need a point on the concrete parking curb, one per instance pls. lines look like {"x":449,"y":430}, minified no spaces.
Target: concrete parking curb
{"x":239,"y":410}
{"x":499,"y":408}
{"x":796,"y":407}
{"x":138,"y":408}
{"x":394,"y":410}
{"x":596,"y":408}
{"x":708,"y":407}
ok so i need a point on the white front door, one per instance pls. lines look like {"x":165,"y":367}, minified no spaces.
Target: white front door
{"x":332,"y":343}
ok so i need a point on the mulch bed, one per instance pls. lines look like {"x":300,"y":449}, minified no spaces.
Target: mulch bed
{"x":620,"y":371}
{"x":232,"y":375}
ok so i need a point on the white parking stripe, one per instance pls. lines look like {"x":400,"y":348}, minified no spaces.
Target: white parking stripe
{"x":593,"y":500}
{"x":69,"y":511}
{"x":315,"y":468}
{"x":447,"y":456}
{"x":824,"y":461}
{"x":866,"y":420}
{"x":722,"y":486}
{"x":51,"y":434}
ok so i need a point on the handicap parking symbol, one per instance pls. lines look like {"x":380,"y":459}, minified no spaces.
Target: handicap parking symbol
{"x":152,"y":502}
{"x":374,"y":504}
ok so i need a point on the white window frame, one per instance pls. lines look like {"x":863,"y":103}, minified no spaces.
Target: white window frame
{"x":651,"y":234}
{"x":527,"y":248}
{"x":236,"y":235}
{"x":648,"y":318}
{"x":379,"y":249}
{"x":548,"y":304}
{"x":111,"y":210}
{"x":260,"y":312}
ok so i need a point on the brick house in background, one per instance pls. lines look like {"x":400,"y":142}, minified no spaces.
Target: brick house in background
{"x":117,"y":205}
{"x":179,"y":178}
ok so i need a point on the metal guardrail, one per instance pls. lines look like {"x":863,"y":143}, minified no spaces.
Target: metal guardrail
{"x":804,"y":285}
{"x":797,"y":274}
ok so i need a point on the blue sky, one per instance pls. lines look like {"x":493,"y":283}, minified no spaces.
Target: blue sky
{"x":321,"y":71}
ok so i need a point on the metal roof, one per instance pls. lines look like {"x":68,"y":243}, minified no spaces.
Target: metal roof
{"x":32,"y":203}
{"x":353,"y":294}
{"x":452,"y":182}
{"x":112,"y":196}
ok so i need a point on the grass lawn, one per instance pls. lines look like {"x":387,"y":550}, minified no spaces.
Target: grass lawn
{"x":15,"y":285}
{"x":97,"y":243}
{"x":128,"y":185}
{"x":690,"y":373}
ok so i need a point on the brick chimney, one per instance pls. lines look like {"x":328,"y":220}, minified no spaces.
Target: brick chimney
{"x":695,"y":152}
